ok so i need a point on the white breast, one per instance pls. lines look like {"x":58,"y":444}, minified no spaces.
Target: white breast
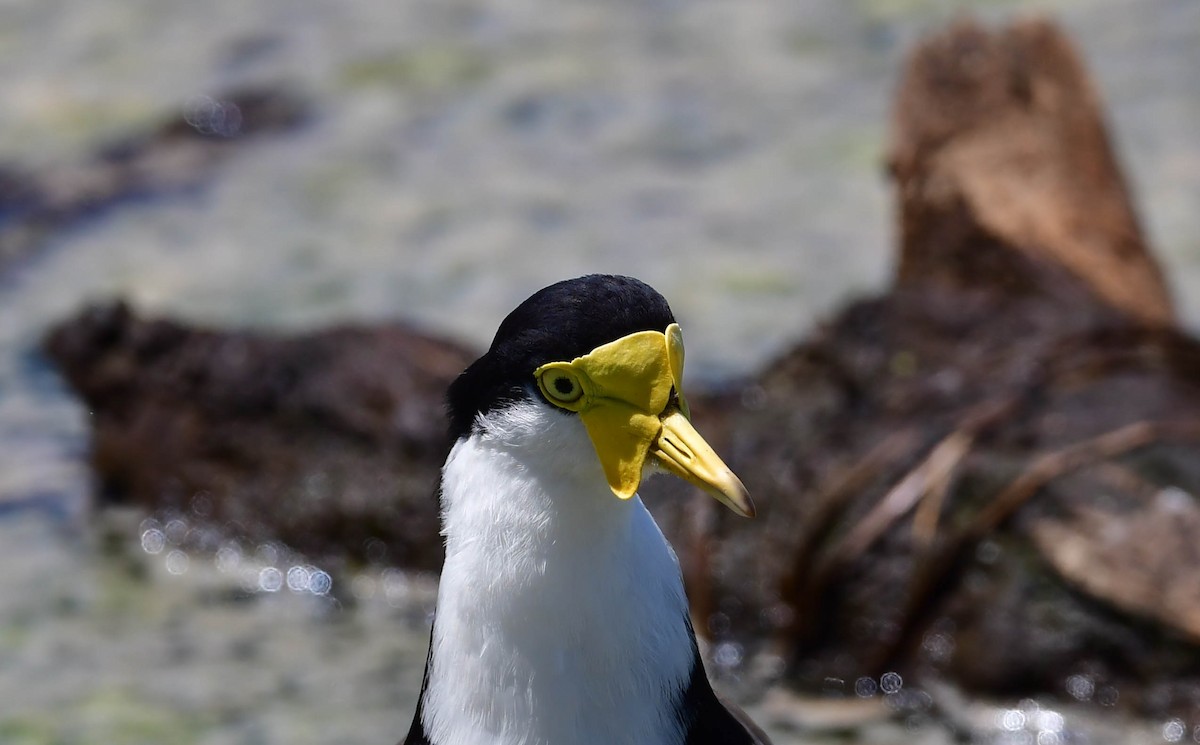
{"x":561,"y":612}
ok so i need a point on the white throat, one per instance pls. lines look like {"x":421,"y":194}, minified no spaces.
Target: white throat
{"x":561,"y":616}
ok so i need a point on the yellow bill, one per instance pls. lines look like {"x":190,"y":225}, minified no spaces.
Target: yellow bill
{"x":629,"y":395}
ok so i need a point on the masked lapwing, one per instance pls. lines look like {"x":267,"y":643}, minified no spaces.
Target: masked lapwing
{"x":561,"y":617}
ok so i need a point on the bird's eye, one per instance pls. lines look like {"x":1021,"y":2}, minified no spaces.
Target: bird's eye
{"x":561,"y":386}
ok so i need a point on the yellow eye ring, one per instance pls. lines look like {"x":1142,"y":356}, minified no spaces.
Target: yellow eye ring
{"x":561,"y":385}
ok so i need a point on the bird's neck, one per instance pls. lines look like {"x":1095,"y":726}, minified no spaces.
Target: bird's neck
{"x":561,"y":615}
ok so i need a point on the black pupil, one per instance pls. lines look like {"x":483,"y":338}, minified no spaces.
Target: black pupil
{"x":564,"y":385}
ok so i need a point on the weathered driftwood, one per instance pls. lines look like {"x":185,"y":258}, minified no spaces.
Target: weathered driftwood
{"x":1004,"y":173}
{"x":925,"y":465}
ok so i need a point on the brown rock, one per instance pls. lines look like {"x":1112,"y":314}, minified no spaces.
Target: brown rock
{"x":330,"y":442}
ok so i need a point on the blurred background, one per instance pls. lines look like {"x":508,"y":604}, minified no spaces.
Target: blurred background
{"x":436,"y":162}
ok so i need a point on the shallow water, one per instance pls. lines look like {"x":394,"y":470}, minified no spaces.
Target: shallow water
{"x":462,"y":154}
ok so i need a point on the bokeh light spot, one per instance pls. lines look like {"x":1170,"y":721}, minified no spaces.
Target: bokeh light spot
{"x":270,"y":579}
{"x":891,"y":682}
{"x":177,"y":562}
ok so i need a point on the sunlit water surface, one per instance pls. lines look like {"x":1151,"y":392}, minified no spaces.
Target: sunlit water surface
{"x":461,"y":155}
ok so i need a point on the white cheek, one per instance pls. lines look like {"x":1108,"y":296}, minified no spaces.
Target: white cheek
{"x":549,"y":441}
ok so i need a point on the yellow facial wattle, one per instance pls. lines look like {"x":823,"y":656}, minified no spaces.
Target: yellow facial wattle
{"x":629,"y":395}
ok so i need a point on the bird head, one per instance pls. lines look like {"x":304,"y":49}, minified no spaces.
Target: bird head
{"x":608,"y":351}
